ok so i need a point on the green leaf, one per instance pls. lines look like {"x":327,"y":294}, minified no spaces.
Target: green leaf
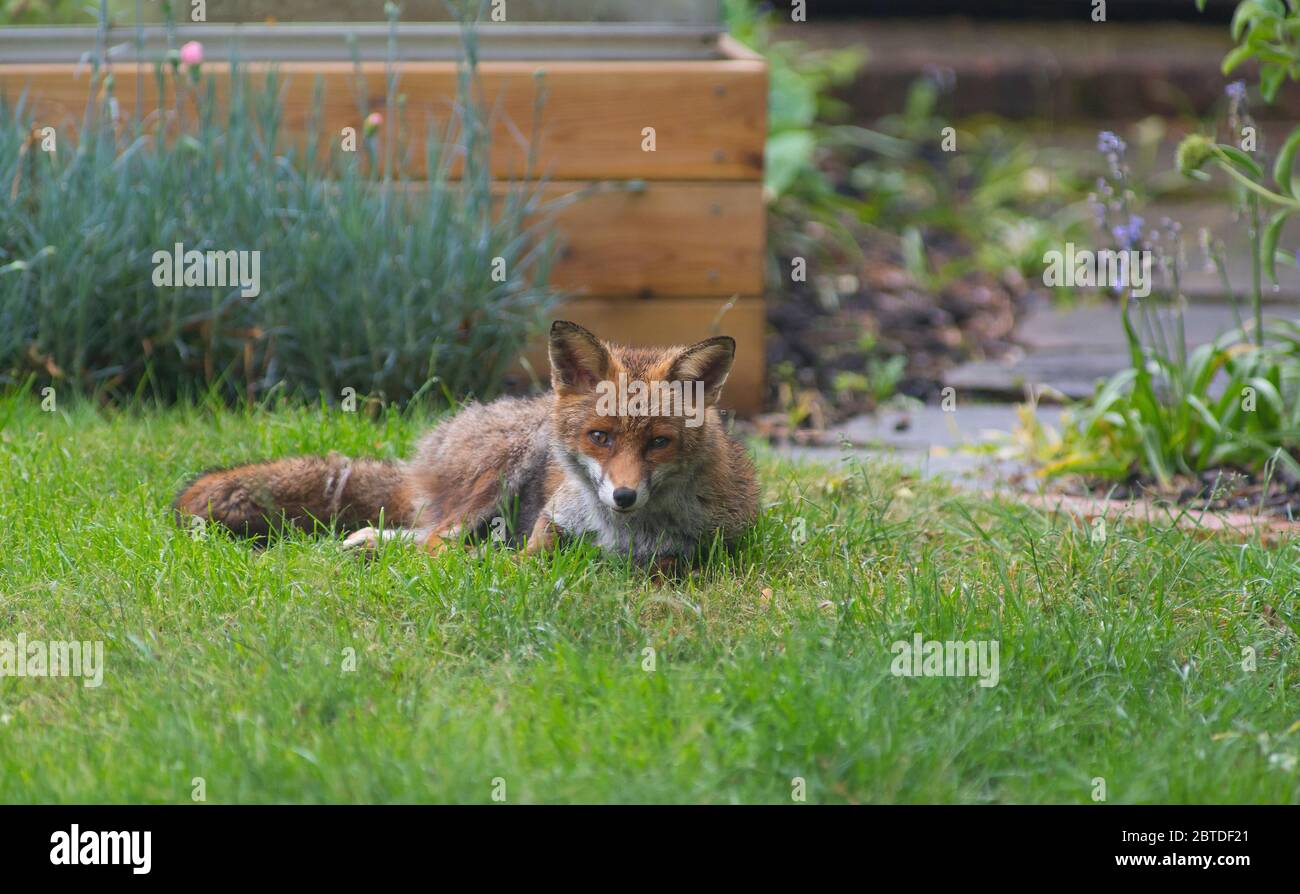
{"x":788,"y":154}
{"x":1260,"y":34}
{"x":1270,"y":80}
{"x":1285,"y":162}
{"x":792,"y":98}
{"x":1240,"y":19}
{"x":1235,"y":57}
{"x":914,"y":257}
{"x":1247,"y":13}
{"x":1242,"y":160}
{"x":1203,"y":365}
{"x":1204,"y":413}
{"x":1268,"y":54}
{"x":1268,"y":246}
{"x":1269,"y":392}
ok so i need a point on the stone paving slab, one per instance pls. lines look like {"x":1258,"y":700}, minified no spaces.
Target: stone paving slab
{"x":928,"y":441}
{"x":928,"y":427}
{"x":1069,"y":350}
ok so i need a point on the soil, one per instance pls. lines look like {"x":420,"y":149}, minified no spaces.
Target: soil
{"x":871,"y":309}
{"x":1214,"y":490}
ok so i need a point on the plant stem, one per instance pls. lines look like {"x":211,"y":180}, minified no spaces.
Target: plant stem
{"x":1254,"y":187}
{"x":1256,"y":293}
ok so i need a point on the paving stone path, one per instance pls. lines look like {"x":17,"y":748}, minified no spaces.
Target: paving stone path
{"x":1066,"y":350}
{"x":1069,"y":350}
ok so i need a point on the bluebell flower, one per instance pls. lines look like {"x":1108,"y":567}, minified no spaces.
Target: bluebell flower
{"x":1130,"y":234}
{"x":1098,"y":209}
{"x":1236,"y":90}
{"x":1108,"y":142}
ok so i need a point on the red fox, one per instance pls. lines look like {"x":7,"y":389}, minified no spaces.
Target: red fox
{"x":627,"y":449}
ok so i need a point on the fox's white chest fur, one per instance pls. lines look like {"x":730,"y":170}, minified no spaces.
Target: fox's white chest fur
{"x":672,"y":523}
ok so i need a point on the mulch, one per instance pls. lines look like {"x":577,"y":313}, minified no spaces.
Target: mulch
{"x":1224,"y":490}
{"x":872,"y":308}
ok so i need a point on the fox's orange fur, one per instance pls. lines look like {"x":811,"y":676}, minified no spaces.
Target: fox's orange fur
{"x":533,"y":469}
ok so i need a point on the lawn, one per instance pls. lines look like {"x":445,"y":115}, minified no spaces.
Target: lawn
{"x":1120,"y":657}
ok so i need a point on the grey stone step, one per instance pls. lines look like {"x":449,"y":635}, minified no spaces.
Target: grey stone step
{"x":1069,"y":350}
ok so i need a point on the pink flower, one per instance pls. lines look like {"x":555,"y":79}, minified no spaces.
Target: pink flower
{"x":374,"y":121}
{"x":192,"y":53}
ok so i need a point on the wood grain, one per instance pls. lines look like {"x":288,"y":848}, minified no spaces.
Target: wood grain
{"x":667,"y":239}
{"x":709,"y":115}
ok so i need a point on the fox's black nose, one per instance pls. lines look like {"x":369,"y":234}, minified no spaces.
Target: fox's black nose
{"x":624,"y":497}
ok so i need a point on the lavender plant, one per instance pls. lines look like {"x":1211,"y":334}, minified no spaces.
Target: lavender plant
{"x":368,"y":280}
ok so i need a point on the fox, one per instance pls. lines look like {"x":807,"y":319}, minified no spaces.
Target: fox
{"x":653,"y":481}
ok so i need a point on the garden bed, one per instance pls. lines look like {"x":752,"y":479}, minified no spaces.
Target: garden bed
{"x":1223,"y":490}
{"x":834,"y":331}
{"x":670,"y":235}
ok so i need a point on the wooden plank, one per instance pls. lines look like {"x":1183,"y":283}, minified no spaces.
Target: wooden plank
{"x":667,"y":239}
{"x":709,"y":115}
{"x":668,"y":321}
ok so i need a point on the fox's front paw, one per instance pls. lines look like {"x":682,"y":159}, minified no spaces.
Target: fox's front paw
{"x":369,"y":539}
{"x":366,"y":539}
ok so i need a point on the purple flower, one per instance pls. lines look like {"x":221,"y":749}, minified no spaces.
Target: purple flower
{"x":1098,"y":209}
{"x":1236,"y":90}
{"x":1128,"y":235}
{"x":1108,"y":142}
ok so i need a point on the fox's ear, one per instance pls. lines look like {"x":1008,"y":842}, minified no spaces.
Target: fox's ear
{"x":578,"y":359}
{"x":707,"y":361}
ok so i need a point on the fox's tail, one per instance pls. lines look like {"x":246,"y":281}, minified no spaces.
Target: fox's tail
{"x":255,"y":499}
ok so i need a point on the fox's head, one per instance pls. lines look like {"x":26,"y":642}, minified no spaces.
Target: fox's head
{"x":631,"y":420}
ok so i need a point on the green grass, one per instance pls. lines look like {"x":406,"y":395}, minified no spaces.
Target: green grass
{"x":1119,"y":659}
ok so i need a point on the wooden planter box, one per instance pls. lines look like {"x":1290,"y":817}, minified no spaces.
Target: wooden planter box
{"x":652,"y":265}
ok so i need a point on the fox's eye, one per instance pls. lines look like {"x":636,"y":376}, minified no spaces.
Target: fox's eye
{"x":660,"y":442}
{"x":599,"y":438}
